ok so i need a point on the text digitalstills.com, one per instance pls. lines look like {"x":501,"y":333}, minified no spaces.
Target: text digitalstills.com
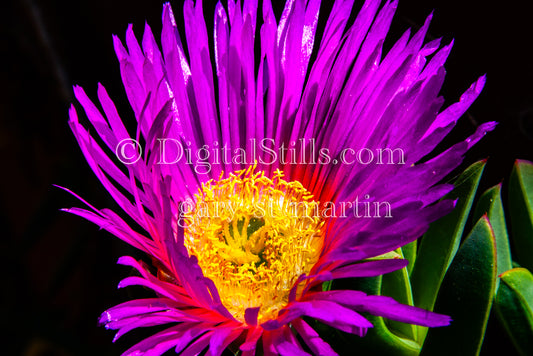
{"x":265,"y":151}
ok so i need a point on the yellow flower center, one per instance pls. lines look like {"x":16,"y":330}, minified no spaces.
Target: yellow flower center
{"x":253,"y":237}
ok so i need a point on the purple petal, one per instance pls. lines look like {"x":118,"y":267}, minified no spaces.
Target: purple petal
{"x":312,"y":339}
{"x":385,"y":307}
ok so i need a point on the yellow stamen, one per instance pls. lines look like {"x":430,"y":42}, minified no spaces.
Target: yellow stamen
{"x":253,"y":237}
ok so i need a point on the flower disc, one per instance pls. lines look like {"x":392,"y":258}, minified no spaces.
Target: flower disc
{"x":253,"y":237}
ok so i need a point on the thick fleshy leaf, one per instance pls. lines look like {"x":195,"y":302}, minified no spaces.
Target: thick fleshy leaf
{"x":490,"y":203}
{"x":466,"y":295}
{"x":514,"y":307}
{"x":409,"y":253}
{"x":398,"y":286}
{"x":440,"y":243}
{"x":521,"y":209}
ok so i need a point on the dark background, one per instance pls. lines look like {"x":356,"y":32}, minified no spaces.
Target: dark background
{"x":59,"y":271}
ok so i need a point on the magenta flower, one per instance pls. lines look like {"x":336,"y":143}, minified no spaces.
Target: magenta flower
{"x":255,"y":185}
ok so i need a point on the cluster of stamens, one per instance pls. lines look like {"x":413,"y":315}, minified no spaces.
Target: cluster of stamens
{"x":253,"y":237}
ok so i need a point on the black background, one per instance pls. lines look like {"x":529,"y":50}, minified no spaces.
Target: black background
{"x":59,"y":271}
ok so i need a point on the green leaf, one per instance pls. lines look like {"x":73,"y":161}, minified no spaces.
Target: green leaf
{"x":490,"y":203}
{"x":439,"y":244}
{"x":514,"y":308}
{"x":397,"y":285}
{"x":326,"y":286}
{"x":521,"y":211}
{"x":386,"y":256}
{"x":466,"y":295}
{"x":409,"y":252}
